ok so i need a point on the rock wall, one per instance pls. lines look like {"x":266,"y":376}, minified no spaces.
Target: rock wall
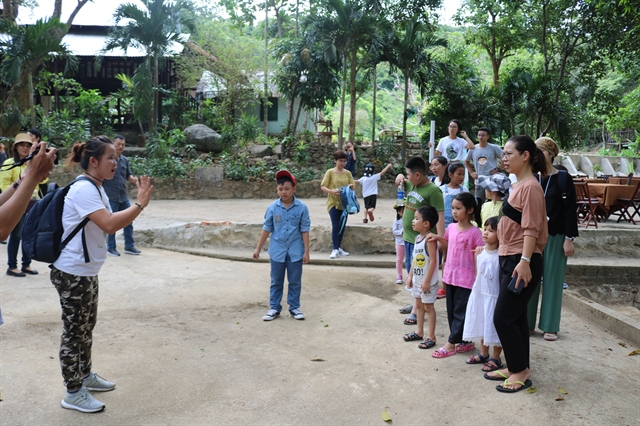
{"x":191,"y":189}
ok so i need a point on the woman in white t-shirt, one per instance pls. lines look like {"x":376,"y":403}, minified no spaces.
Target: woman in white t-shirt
{"x":75,"y":272}
{"x":452,"y":146}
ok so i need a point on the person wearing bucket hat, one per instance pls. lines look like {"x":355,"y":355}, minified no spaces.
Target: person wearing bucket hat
{"x":497,"y":185}
{"x":8,"y":176}
{"x":560,"y":197}
{"x":369,"y":184}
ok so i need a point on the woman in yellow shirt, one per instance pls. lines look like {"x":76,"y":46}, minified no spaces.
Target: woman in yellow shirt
{"x":21,"y":148}
{"x":333,"y":180}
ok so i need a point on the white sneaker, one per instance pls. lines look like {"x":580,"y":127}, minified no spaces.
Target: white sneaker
{"x":297,"y":314}
{"x":82,"y":401}
{"x":334,"y":254}
{"x":271,"y":315}
{"x":95,"y":383}
{"x":343,"y":253}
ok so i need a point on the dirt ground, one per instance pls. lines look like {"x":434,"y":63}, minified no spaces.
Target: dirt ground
{"x":183,"y":338}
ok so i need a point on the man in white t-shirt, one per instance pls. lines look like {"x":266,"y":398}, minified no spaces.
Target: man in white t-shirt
{"x":369,"y":184}
{"x":452,"y":147}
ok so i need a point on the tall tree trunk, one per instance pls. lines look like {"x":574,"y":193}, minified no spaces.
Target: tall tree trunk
{"x":354,"y":98}
{"x":295,"y":123}
{"x":375,"y":94}
{"x":287,"y":130}
{"x":344,"y":92}
{"x":404,"y":119}
{"x":31,"y":103}
{"x":156,"y":96}
{"x":265,"y":106}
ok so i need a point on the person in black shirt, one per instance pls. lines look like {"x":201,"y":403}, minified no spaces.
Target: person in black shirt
{"x":560,"y":196}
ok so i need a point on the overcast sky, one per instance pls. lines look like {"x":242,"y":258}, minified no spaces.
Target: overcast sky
{"x":100,"y":12}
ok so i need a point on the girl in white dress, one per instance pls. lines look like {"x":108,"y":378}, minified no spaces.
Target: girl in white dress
{"x":478,"y":323}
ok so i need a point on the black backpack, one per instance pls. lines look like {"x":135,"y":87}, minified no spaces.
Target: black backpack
{"x":42,"y":230}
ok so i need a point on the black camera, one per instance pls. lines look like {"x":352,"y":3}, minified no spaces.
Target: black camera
{"x":48,"y":150}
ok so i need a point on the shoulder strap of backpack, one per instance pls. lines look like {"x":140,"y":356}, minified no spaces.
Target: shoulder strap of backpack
{"x":81,"y":225}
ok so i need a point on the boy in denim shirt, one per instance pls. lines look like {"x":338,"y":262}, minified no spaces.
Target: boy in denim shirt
{"x":287,"y":219}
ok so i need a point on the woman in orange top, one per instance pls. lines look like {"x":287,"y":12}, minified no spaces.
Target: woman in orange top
{"x":522,"y":233}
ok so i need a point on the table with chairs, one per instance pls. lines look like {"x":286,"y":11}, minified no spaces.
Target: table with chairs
{"x":599,"y":201}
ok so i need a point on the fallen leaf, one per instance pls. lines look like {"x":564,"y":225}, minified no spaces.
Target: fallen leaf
{"x":386,"y":416}
{"x":636,"y":352}
{"x":238,"y":322}
{"x":326,"y":325}
{"x":317,"y":360}
{"x":560,"y":398}
{"x":623,"y":344}
{"x":532,"y":390}
{"x":562,"y":391}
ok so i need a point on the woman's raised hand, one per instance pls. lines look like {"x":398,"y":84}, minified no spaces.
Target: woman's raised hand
{"x":144,"y":190}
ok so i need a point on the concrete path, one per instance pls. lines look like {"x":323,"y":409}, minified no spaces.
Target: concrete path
{"x":184,"y":339}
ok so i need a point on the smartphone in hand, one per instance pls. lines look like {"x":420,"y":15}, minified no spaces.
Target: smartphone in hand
{"x":512,"y":285}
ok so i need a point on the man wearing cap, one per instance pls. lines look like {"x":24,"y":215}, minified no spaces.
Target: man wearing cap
{"x":287,"y":220}
{"x":486,"y":157}
{"x":116,"y":190}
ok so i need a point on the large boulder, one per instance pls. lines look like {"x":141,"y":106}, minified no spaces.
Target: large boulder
{"x":260,"y":150}
{"x":204,"y":138}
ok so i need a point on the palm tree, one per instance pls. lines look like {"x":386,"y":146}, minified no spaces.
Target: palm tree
{"x":408,"y":53}
{"x":154,"y":30}
{"x":24,"y":48}
{"x":350,"y":30}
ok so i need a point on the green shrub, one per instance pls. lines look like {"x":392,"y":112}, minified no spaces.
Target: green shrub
{"x":167,"y":167}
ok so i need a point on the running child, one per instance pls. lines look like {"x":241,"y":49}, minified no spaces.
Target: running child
{"x":478,"y":321}
{"x":423,"y":277}
{"x":369,"y":184}
{"x":287,"y":219}
{"x":397,"y":230}
{"x":460,"y":240}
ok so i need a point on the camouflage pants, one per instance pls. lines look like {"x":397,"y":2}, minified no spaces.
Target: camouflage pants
{"x":79,"y":303}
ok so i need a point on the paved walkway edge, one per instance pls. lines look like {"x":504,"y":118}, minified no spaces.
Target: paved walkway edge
{"x":316,"y":258}
{"x":621,"y":325}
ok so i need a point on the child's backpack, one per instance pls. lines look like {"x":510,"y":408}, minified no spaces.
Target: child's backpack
{"x":42,"y":230}
{"x":350,"y":205}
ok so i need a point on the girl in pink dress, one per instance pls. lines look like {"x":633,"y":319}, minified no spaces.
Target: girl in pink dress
{"x":460,"y":240}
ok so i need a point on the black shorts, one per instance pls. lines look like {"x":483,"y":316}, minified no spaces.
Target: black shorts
{"x":370,"y":202}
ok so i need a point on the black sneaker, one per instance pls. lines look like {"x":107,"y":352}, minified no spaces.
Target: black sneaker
{"x":113,"y":252}
{"x":132,"y":250}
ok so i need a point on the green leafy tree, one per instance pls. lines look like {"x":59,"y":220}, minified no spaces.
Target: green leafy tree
{"x":24,"y":49}
{"x":496,"y":25}
{"x":409,"y":53}
{"x":154,"y":29}
{"x":348,"y":29}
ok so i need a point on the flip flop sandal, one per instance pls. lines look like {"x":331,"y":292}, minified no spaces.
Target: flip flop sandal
{"x":426,"y":344}
{"x":478,"y":359}
{"x":411,"y":320}
{"x":499,"y":373}
{"x":406,"y":310}
{"x":465,"y":347}
{"x":443,"y":353}
{"x":412,"y":337}
{"x":365,"y":221}
{"x":492,"y":365}
{"x":371,"y":217}
{"x":523,"y":385}
{"x":550,"y":337}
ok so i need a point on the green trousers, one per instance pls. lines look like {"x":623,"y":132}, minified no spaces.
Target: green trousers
{"x":555,"y":266}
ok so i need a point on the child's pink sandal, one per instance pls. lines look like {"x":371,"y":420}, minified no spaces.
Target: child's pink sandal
{"x":465,"y":347}
{"x":443,"y":353}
